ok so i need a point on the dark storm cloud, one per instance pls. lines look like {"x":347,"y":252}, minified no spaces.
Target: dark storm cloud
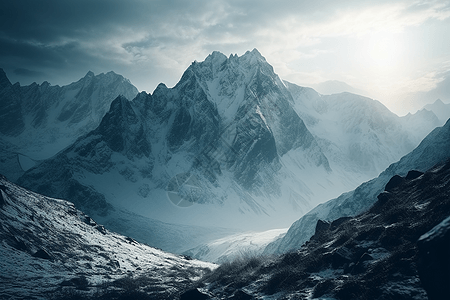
{"x":28,"y":73}
{"x":154,"y":41}
{"x":46,"y":25}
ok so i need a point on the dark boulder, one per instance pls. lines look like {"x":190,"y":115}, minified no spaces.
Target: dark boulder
{"x":338,"y":222}
{"x":394,"y":182}
{"x":194,"y":294}
{"x":413,"y":174}
{"x":434,"y":261}
{"x":240,"y":295}
{"x":41,"y":253}
{"x":340,"y":257}
{"x":2,"y":199}
{"x":322,"y":226}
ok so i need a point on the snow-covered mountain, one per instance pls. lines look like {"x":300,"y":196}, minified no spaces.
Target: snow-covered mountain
{"x":51,"y":250}
{"x":231,"y":145}
{"x":440,"y":109}
{"x":433,"y":149}
{"x":356,"y":133}
{"x":226,"y":130}
{"x":41,"y":120}
{"x":330,"y":87}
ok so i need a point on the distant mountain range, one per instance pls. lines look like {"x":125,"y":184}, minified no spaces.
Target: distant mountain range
{"x":336,"y":87}
{"x":40,"y":120}
{"x":231,"y":145}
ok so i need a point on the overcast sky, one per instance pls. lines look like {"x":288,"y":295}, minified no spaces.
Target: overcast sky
{"x":391,"y":50}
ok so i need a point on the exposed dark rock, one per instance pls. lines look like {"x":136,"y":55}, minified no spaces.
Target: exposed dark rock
{"x":434,"y":261}
{"x":2,"y":200}
{"x":322,"y":288}
{"x":413,"y":174}
{"x":322,"y":226}
{"x":340,"y":257}
{"x":17,"y":243}
{"x":194,"y":294}
{"x":88,"y":220}
{"x":101,"y":228}
{"x":240,"y":295}
{"x":365,"y":257}
{"x":78,"y":282}
{"x":394,"y":182}
{"x":382,"y":198}
{"x":41,"y":253}
{"x":336,"y":223}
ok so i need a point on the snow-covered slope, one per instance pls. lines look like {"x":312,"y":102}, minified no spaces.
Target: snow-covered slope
{"x":43,"y":119}
{"x":235,"y":246}
{"x":440,"y":109}
{"x":433,"y":149}
{"x":49,"y":249}
{"x":358,"y":134}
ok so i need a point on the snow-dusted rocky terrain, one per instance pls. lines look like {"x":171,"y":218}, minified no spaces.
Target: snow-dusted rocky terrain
{"x":398,"y":249}
{"x":230,"y":146}
{"x":433,"y":149}
{"x":41,"y":119}
{"x":51,"y":250}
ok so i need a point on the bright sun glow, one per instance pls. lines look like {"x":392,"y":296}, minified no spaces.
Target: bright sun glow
{"x":384,"y":51}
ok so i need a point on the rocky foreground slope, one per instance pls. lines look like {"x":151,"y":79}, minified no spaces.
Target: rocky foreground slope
{"x":396,"y":250}
{"x":50,"y":250}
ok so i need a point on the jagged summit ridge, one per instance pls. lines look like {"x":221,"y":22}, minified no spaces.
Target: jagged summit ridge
{"x":228,"y":122}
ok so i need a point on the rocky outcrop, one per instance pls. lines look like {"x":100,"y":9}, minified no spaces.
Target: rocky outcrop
{"x":434,"y":260}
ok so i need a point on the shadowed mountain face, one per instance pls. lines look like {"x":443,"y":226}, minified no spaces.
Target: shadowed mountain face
{"x":40,"y":107}
{"x":40,"y":120}
{"x":374,"y":255}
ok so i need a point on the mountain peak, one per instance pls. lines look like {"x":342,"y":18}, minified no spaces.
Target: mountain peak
{"x":89,"y":74}
{"x":216,"y":57}
{"x":4,"y":81}
{"x":254,"y":53}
